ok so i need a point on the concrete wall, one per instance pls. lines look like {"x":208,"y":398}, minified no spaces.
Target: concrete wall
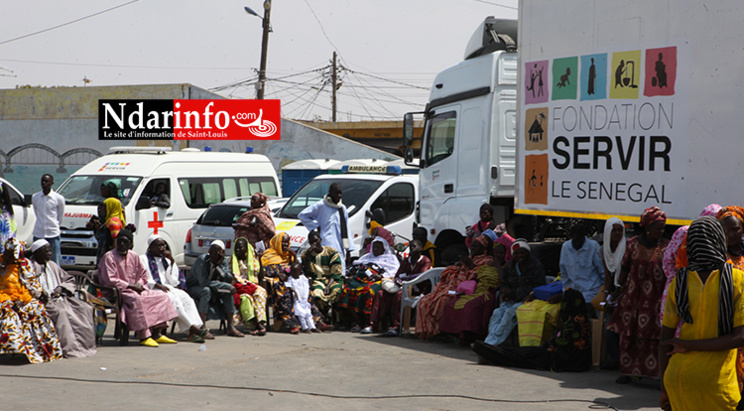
{"x":55,"y":130}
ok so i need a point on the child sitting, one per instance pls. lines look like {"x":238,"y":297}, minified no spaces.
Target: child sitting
{"x":301,"y":289}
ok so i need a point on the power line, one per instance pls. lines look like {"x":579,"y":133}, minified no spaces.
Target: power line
{"x":386,"y":79}
{"x":68,"y":23}
{"x":64,"y":63}
{"x":322,"y":29}
{"x":497,"y":4}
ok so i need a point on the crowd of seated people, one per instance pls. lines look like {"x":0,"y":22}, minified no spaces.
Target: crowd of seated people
{"x":495,"y":298}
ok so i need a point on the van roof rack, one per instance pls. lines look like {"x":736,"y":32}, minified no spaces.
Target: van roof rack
{"x":139,"y":150}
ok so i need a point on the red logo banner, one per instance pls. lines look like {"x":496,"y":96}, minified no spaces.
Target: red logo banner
{"x":226,"y":119}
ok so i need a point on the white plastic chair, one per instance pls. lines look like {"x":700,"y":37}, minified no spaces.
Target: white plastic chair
{"x":407,"y":302}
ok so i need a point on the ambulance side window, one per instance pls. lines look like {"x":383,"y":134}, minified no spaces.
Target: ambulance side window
{"x":397,"y":202}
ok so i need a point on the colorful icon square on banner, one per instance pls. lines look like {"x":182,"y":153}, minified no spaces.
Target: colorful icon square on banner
{"x":536,"y":82}
{"x":625,"y":72}
{"x":661,"y":72}
{"x":565,"y":78}
{"x":593,"y":77}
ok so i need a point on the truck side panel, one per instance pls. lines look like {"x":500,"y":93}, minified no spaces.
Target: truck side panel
{"x":652,"y":120}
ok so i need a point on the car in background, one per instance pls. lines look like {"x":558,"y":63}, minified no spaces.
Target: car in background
{"x":23,"y":212}
{"x":216,"y":224}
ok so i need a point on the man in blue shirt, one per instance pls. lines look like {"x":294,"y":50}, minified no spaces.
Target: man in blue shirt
{"x":581,"y":265}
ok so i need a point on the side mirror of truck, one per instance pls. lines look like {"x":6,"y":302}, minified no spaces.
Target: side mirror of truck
{"x":143,"y":203}
{"x":408,"y":129}
{"x":408,"y":156}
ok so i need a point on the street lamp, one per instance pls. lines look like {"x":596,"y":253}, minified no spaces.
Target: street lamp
{"x":261,"y":86}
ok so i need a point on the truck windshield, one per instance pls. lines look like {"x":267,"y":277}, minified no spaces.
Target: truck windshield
{"x":356,"y":193}
{"x":86,"y":190}
{"x":440,"y":137}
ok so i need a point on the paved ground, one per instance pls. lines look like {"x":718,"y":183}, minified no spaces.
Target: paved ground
{"x":335,"y":371}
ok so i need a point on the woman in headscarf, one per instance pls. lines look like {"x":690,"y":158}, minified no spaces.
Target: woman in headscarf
{"x":364,"y":280}
{"x":115,"y":220}
{"x":431,"y":306}
{"x":697,"y":369}
{"x":276,"y":263}
{"x":613,"y":250}
{"x":732,"y":219}
{"x":250,"y":298}
{"x":501,"y":246}
{"x":467,"y":315}
{"x":112,"y":214}
{"x":25,"y":327}
{"x":638,"y":295}
{"x":675,"y":256}
{"x":256,"y":224}
{"x":568,"y":350}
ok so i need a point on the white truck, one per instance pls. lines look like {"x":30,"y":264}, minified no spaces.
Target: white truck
{"x":620,"y":106}
{"x":468,"y":152}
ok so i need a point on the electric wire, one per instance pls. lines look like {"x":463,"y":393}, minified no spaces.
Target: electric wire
{"x":497,"y":4}
{"x":322,"y":29}
{"x":68,"y":23}
{"x":594,"y":404}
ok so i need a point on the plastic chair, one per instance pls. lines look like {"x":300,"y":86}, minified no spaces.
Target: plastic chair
{"x":408,"y":302}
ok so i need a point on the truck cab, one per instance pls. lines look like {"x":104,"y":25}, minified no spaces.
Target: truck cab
{"x":468,"y":152}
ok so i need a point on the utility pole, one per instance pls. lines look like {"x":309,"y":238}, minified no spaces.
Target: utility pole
{"x":264,"y":50}
{"x":333,"y":85}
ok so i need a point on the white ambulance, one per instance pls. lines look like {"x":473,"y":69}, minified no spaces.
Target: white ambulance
{"x":193,"y":180}
{"x":365,"y":188}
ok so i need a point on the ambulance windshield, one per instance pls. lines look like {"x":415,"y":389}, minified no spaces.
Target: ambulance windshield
{"x":87,"y":190}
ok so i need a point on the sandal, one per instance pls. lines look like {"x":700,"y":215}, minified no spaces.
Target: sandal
{"x":196,"y":338}
{"x":294,"y":331}
{"x":356,"y":329}
{"x":206,"y":334}
{"x":258,"y":333}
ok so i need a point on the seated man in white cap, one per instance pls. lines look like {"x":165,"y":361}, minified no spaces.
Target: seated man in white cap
{"x":163,"y":274}
{"x":210,"y":284}
{"x":146,"y":312}
{"x":72,"y":317}
{"x":521,"y":274}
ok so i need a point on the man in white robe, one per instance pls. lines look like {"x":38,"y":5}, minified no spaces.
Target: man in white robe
{"x":331,"y":218}
{"x":163,"y":274}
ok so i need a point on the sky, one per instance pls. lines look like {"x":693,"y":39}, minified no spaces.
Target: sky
{"x":389,"y":50}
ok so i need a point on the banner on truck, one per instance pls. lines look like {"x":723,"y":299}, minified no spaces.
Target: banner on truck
{"x":604,"y":132}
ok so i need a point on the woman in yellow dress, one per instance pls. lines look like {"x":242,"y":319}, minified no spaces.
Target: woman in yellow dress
{"x":698,"y":368}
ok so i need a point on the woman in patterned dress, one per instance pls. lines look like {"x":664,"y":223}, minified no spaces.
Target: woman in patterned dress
{"x":638,"y":296}
{"x":25,"y":327}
